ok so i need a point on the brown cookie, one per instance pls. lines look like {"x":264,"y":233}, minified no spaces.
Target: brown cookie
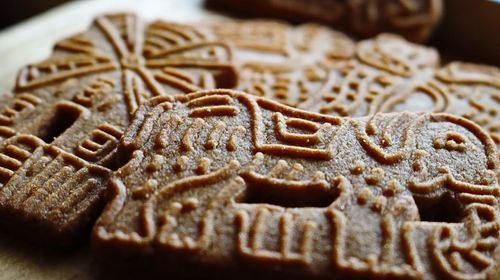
{"x":413,"y":19}
{"x":298,"y":66}
{"x":371,"y":84}
{"x":58,"y":134}
{"x":473,"y":92}
{"x":223,"y":178}
{"x":281,"y":62}
{"x":294,"y":65}
{"x":380,"y":68}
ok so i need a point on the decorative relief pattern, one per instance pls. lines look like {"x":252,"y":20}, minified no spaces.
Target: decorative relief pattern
{"x":391,"y":75}
{"x":154,"y":60}
{"x":281,"y":62}
{"x":59,"y":133}
{"x":303,"y":190}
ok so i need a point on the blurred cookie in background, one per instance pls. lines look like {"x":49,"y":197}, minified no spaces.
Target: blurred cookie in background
{"x":282,"y":62}
{"x":413,"y":19}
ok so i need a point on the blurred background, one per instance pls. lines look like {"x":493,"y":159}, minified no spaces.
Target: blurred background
{"x":469,"y":30}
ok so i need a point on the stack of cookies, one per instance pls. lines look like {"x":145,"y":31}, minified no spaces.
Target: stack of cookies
{"x":257,"y":146}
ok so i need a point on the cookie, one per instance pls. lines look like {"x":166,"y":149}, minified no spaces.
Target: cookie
{"x":369,"y":86}
{"x":293,"y":65}
{"x":296,"y":67}
{"x":281,"y":62}
{"x":380,"y":68}
{"x":59,"y":132}
{"x":473,"y":92}
{"x":414,"y":19}
{"x":227,"y":179}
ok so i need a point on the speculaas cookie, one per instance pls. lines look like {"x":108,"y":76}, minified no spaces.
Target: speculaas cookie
{"x":413,"y":19}
{"x":294,"y":65}
{"x":225,"y":178}
{"x":58,"y":134}
{"x":282,"y":62}
{"x":471,"y":91}
{"x":382,"y":65}
{"x":372,"y":84}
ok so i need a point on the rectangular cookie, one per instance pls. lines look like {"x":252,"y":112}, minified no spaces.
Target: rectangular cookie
{"x":297,"y":66}
{"x":226,"y":179}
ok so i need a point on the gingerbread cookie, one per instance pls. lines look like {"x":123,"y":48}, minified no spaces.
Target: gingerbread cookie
{"x":296,"y":66}
{"x":473,"y":92}
{"x":59,"y":132}
{"x":413,"y":19}
{"x":225,"y":178}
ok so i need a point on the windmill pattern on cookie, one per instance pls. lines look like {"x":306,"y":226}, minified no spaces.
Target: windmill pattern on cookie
{"x":245,"y":179}
{"x":161,"y":58}
{"x":59,"y":132}
{"x":371,"y":76}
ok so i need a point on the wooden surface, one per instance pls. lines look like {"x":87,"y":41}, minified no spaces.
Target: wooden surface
{"x":32,"y":41}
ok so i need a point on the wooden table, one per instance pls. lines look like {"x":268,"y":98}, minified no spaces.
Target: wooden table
{"x":32,"y":41}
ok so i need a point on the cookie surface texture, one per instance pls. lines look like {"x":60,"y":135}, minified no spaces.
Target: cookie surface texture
{"x":283,"y":62}
{"x":59,"y":131}
{"x":389,"y":74}
{"x":227,"y":178}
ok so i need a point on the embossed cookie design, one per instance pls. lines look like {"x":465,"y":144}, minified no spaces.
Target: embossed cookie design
{"x":471,"y":91}
{"x":59,"y":132}
{"x":282,"y":62}
{"x":389,"y":75}
{"x":299,"y":67}
{"x":379,"y":68}
{"x":225,"y":177}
